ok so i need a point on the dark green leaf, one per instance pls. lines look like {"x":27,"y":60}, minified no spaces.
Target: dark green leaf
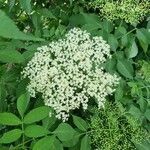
{"x":11,"y":136}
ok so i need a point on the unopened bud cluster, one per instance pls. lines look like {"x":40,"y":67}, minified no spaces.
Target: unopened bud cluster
{"x":131,"y":11}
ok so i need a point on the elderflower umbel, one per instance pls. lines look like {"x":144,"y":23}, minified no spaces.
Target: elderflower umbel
{"x":68,"y":73}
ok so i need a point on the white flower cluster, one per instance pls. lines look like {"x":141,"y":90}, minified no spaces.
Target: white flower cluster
{"x":68,"y":72}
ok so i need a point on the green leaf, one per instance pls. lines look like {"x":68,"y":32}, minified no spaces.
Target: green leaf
{"x":9,"y":119}
{"x":48,"y":122}
{"x":91,"y":18}
{"x":22,"y":87}
{"x":90,"y":27}
{"x":132,"y":51}
{"x":11,"y":136}
{"x":135,"y":112}
{"x":124,"y":40}
{"x":85,"y":18}
{"x":3,"y":94}
{"x":102,"y":33}
{"x":3,"y":147}
{"x":125,"y":68}
{"x":143,"y":39}
{"x":107,"y":26}
{"x":111,"y":65}
{"x":30,"y":51}
{"x":35,"y":131}
{"x":120,"y":90}
{"x":135,"y":90}
{"x":119,"y":55}
{"x":80,"y":123}
{"x":142,"y":103}
{"x":72,"y":142}
{"x":47,"y":13}
{"x":85,"y":143}
{"x":120,"y":32}
{"x":26,"y":5}
{"x":8,"y":29}
{"x":48,"y":143}
{"x":36,"y":114}
{"x":112,"y":41}
{"x":11,"y":56}
{"x":77,"y":19}
{"x":148,"y":24}
{"x":64,"y":132}
{"x":22,"y":103}
{"x":127,"y":40}
{"x":143,"y":146}
{"x":147,"y":114}
{"x":37,"y":23}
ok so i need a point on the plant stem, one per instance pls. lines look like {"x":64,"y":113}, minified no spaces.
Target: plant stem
{"x":16,"y":147}
{"x":23,"y":137}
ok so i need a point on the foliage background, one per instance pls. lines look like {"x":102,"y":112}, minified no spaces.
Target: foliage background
{"x":26,"y":25}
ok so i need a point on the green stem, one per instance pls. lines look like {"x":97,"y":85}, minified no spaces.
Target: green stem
{"x":23,"y":137}
{"x":19,"y":145}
